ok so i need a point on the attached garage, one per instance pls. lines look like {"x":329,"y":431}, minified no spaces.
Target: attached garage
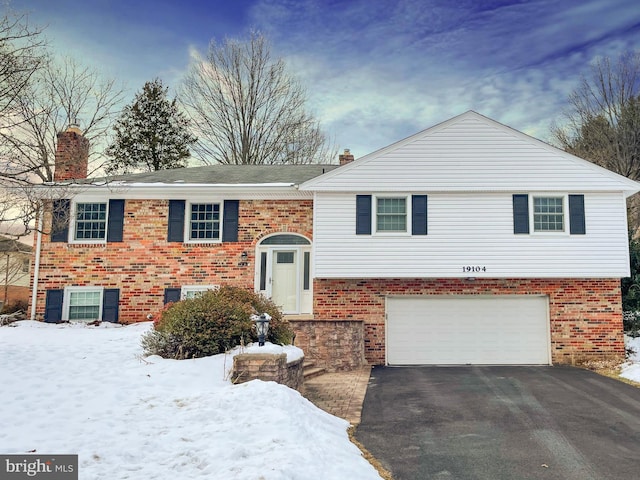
{"x":468,"y":330}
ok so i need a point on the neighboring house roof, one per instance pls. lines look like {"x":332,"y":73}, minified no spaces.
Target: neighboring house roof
{"x":222,"y":175}
{"x":11,"y":245}
{"x":469,"y":153}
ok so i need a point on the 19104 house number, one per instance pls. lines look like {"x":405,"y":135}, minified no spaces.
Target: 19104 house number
{"x":473,"y":269}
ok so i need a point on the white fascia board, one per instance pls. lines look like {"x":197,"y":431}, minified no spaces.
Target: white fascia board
{"x":167,"y":191}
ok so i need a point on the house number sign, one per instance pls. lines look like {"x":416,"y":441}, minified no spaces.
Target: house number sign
{"x":473,"y":269}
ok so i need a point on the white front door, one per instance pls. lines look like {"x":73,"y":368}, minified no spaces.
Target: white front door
{"x":284,"y":280}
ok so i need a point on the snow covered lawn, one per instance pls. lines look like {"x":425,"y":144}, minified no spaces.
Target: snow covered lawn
{"x":632,"y":369}
{"x":86,"y":390}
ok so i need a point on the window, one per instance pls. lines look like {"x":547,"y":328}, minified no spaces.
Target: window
{"x":192,"y":291}
{"x":83,"y":303}
{"x":91,"y":221}
{"x":25,"y":265}
{"x":391,"y":214}
{"x":204,"y":224}
{"x":548,"y":214}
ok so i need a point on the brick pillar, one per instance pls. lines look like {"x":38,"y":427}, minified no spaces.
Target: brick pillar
{"x":72,"y":155}
{"x":345,"y":157}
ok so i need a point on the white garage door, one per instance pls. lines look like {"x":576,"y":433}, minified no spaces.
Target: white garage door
{"x":466,"y":329}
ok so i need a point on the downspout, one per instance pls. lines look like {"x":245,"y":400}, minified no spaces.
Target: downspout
{"x":36,"y":267}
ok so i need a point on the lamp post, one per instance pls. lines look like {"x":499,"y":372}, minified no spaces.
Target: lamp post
{"x":262,"y":326}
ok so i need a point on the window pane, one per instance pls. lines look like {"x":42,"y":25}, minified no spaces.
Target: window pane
{"x":91,"y":221}
{"x":205,"y":221}
{"x":548,"y":215}
{"x":84,"y":305}
{"x":391,"y":215}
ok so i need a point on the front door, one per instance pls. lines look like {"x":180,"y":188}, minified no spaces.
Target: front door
{"x":284,"y":280}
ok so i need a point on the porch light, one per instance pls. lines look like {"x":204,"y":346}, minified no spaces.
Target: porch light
{"x":262,"y":326}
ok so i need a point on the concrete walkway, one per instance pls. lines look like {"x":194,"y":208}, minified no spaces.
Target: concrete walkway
{"x":341,"y":394}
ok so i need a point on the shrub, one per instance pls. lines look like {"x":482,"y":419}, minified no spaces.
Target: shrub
{"x":631,"y":322}
{"x":17,"y":306}
{"x":212,"y":323}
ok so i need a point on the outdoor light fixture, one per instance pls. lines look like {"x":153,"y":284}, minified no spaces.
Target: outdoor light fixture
{"x":262,"y":326}
{"x":244,"y":255}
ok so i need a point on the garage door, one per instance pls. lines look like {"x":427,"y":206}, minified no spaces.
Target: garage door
{"x":461,"y":329}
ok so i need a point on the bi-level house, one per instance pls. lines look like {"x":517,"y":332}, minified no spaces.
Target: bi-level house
{"x":467,"y":243}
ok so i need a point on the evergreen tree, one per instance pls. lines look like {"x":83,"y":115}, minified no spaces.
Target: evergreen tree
{"x":151,"y":134}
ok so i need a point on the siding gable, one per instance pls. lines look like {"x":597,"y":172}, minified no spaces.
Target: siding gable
{"x":470,"y":153}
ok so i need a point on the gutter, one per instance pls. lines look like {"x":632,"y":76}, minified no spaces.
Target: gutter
{"x":36,"y":267}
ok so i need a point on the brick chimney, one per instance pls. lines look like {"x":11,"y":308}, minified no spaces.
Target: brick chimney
{"x":72,"y":155}
{"x":345,"y":157}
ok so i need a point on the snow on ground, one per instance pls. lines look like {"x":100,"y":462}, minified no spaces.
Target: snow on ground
{"x":86,"y":390}
{"x":632,"y":369}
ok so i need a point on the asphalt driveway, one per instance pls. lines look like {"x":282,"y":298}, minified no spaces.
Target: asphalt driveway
{"x":509,"y":423}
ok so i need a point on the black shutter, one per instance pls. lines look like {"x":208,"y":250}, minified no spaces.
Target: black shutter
{"x":576,"y":215}
{"x":110,"y":301}
{"x":53,"y":306}
{"x":176,"y":221}
{"x":419,"y":215}
{"x":60,"y":220}
{"x":363,"y":214}
{"x":521,"y":214}
{"x":115,"y":223}
{"x":171,"y":295}
{"x":230,"y":221}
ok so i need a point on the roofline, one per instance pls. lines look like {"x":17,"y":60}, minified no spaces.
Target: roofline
{"x":634,"y":186}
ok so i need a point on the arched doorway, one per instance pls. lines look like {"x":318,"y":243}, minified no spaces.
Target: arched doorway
{"x":283,"y":272}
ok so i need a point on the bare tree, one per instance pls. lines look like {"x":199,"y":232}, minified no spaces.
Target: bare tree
{"x":21,"y":56}
{"x":602,"y":123}
{"x":245,"y":108}
{"x":61,"y":93}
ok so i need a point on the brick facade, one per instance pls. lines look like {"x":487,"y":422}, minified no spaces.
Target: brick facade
{"x":144,"y":264}
{"x":336,"y":345}
{"x":585,"y":314}
{"x":72,"y":155}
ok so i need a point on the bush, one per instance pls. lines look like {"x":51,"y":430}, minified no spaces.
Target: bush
{"x":213,"y":323}
{"x":631,"y":323}
{"x":17,"y":306}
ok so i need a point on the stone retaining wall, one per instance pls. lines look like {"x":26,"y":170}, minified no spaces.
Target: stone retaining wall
{"x":269,"y":367}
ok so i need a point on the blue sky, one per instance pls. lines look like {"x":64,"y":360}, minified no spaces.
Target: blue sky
{"x":376,"y":71}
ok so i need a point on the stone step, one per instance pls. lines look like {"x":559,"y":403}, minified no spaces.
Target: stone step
{"x":313,"y":372}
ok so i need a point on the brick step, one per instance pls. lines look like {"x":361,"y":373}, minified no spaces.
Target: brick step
{"x":313,"y":372}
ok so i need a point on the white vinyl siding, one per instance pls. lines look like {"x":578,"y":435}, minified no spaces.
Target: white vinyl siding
{"x":470,"y":153}
{"x":470,"y":230}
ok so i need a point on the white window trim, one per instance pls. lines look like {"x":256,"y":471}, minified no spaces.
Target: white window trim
{"x":66,"y":301}
{"x":186,"y":289}
{"x":565,"y":214}
{"x":374,"y":216}
{"x":74,"y":219}
{"x":187,"y":222}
